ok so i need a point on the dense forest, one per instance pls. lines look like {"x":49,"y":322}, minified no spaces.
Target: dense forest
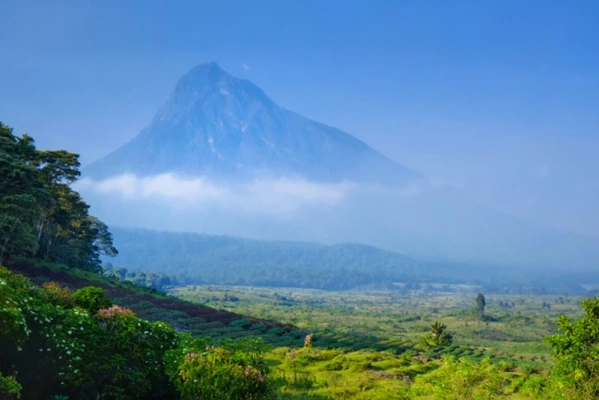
{"x":40,"y":214}
{"x":225,"y":260}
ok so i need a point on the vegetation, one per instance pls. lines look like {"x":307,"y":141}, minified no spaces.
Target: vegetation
{"x":40,"y":215}
{"x":577,"y":352}
{"x":52,"y":342}
{"x":438,"y":336}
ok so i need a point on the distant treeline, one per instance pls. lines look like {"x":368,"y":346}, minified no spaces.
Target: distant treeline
{"x":206,"y":259}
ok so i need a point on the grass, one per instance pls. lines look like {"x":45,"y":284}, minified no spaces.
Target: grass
{"x":366,"y":344}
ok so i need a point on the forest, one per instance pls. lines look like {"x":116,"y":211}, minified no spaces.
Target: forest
{"x":71,"y":329}
{"x":193,"y":258}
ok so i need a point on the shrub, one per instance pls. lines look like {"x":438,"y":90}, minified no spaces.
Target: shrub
{"x":59,"y":295}
{"x":233,"y":372}
{"x":9,"y":388}
{"x":92,"y":299}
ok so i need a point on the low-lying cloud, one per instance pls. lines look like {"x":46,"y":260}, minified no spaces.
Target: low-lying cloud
{"x":267,"y":196}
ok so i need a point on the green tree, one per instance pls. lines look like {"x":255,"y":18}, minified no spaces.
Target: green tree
{"x":40,"y":214}
{"x":21,"y":196}
{"x":576,"y":350}
{"x":438,"y":336}
{"x":480,"y":303}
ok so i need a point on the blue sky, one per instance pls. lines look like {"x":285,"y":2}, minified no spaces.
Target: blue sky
{"x":499,"y":98}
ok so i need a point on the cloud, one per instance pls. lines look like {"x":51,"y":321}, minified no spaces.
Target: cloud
{"x":245,"y":67}
{"x":266,"y":196}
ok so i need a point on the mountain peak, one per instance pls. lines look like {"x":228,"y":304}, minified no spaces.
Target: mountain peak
{"x":215,"y":124}
{"x":203,"y":78}
{"x":206,"y":70}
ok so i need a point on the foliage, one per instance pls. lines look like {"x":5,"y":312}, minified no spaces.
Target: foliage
{"x":438,"y":336}
{"x":40,"y":215}
{"x":9,"y":388}
{"x":92,"y":299}
{"x":462,"y":379}
{"x":59,"y":295}
{"x":229,"y":373}
{"x":52,"y":345}
{"x":577,"y":352}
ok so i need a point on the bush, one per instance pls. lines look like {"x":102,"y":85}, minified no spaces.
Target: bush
{"x":9,"y":388}
{"x":92,"y":299}
{"x":233,"y":372}
{"x":59,"y":295}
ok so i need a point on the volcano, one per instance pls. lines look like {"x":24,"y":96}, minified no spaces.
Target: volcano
{"x":216,"y":125}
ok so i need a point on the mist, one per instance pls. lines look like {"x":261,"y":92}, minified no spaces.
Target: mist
{"x":426,"y":221}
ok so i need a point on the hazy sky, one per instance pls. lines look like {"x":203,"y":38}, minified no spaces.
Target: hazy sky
{"x":500,"y":98}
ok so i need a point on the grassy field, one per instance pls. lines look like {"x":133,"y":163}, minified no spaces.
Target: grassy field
{"x":366,"y":344}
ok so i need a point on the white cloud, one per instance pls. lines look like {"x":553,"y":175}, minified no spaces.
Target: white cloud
{"x":245,"y":67}
{"x":266,"y":196}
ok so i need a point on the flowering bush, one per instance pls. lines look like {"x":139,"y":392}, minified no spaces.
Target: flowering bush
{"x":59,"y":295}
{"x":70,"y":351}
{"x":220,"y":373}
{"x":61,"y":344}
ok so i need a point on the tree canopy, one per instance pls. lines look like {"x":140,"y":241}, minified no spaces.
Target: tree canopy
{"x":40,"y":214}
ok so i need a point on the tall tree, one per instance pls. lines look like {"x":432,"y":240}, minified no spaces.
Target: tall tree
{"x":40,"y":214}
{"x":480,"y":303}
{"x":21,"y":196}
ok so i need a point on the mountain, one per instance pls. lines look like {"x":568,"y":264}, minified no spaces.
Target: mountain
{"x":217,"y":125}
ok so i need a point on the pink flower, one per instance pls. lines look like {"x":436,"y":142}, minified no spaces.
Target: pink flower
{"x":114,"y":310}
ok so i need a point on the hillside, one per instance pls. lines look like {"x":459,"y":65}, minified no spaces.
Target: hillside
{"x":237,"y":261}
{"x":225,"y":260}
{"x":147,"y":304}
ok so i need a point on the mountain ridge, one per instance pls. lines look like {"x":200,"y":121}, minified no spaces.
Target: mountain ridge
{"x":219,"y":125}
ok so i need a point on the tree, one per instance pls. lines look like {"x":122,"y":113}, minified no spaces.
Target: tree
{"x":40,"y":214}
{"x":438,"y":336}
{"x":576,"y":351}
{"x":21,"y":196}
{"x":480,"y":303}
